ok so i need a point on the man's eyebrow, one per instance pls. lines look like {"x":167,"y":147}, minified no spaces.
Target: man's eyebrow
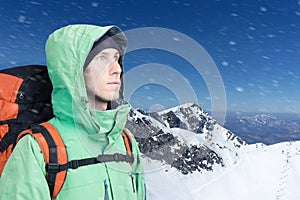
{"x":106,"y":53}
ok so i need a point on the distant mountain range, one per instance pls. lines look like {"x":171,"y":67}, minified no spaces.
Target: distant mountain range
{"x":266,"y":128}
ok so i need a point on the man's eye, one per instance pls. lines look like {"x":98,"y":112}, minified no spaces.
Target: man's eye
{"x":116,"y":58}
{"x":101,"y":57}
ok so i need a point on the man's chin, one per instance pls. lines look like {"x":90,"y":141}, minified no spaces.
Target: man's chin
{"x":107,"y":98}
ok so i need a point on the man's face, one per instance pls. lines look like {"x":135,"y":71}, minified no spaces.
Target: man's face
{"x":102,"y":76}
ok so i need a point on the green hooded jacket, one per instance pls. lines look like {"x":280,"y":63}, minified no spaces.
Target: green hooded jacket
{"x":85,"y":132}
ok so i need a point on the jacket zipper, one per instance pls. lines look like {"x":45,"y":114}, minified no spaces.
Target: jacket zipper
{"x":145,"y":190}
{"x":106,"y":191}
{"x":132,"y":181}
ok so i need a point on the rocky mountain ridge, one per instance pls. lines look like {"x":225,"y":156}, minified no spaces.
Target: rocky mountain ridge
{"x":185,"y":137}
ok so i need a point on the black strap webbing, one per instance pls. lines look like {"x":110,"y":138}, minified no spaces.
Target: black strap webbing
{"x":74,"y":164}
{"x":3,"y":145}
{"x":10,"y":137}
{"x":52,"y":154}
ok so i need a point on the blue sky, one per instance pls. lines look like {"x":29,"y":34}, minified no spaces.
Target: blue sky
{"x":254,"y":44}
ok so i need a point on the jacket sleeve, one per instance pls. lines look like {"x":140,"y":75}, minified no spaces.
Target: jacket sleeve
{"x":23,"y":177}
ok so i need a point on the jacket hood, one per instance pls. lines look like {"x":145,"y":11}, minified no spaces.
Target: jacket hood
{"x":66,"y":52}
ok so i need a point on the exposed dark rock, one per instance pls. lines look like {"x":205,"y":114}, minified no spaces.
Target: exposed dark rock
{"x":173,"y":120}
{"x":197,"y":159}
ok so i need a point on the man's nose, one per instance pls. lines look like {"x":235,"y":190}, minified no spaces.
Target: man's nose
{"x":115,"y":68}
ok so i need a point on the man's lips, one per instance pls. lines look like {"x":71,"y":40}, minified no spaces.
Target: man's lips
{"x":114,"y":83}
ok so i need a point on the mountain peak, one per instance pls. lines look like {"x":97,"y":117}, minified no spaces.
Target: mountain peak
{"x":166,"y":136}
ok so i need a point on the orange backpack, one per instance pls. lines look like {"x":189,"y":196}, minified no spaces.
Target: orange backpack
{"x":25,"y":99}
{"x":25,"y":105}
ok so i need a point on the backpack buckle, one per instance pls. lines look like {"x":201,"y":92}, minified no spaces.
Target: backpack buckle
{"x":117,"y":157}
{"x":74,"y":164}
{"x":52,"y":167}
{"x":3,"y":145}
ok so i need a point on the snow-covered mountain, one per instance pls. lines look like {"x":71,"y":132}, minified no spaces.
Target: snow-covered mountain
{"x":188,"y":155}
{"x":184,"y":137}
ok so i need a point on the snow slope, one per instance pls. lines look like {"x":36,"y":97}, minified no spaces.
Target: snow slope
{"x":262,"y":173}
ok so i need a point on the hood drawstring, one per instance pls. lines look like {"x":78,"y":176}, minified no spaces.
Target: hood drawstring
{"x":84,"y":102}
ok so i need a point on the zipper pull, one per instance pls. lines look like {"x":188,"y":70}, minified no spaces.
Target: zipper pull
{"x":21,"y":95}
{"x":132,"y":181}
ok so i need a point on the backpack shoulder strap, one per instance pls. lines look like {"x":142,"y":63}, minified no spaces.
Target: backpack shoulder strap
{"x":54,"y":152}
{"x":127,"y":141}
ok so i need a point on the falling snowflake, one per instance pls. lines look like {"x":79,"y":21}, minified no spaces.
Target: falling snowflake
{"x":275,"y":83}
{"x":266,"y":57}
{"x":239,"y":89}
{"x":232,"y":43}
{"x":225,"y":63}
{"x":95,"y":4}
{"x":250,"y":37}
{"x":22,"y":19}
{"x":35,"y":3}
{"x":263,"y":9}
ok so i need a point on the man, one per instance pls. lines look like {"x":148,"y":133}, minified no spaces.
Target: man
{"x":85,"y":67}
